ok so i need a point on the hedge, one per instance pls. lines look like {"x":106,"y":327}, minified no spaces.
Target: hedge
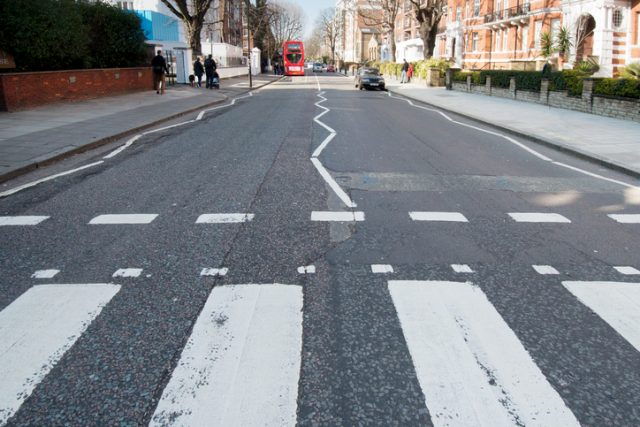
{"x":627,"y":88}
{"x":419,"y":67}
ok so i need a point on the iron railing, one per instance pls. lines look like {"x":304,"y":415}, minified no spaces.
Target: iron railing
{"x":512,"y":12}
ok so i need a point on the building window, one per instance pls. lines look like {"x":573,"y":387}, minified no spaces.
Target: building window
{"x":498,"y":41}
{"x":525,"y":38}
{"x":555,"y":29}
{"x":638,"y":28}
{"x":125,"y":5}
{"x":476,"y":7}
{"x":474,"y":42}
{"x":617,"y":19}
{"x":505,"y":40}
{"x":538,"y":34}
{"x":466,"y":9}
{"x":458,"y":13}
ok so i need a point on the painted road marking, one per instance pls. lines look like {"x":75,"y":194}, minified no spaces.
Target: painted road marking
{"x":472,"y":368}
{"x":37,"y":329}
{"x":545,"y":269}
{"x":626,"y":270}
{"x":45,"y":274}
{"x":626,"y":218}
{"x":461,"y":268}
{"x":538,"y":217}
{"x":216,"y":272}
{"x":438,"y":216}
{"x":307,"y":269}
{"x":337,"y":216}
{"x":124,"y":219}
{"x":241,"y":365}
{"x":381,"y":268}
{"x":128,"y":272}
{"x":615,"y":302}
{"x":224,"y":218}
{"x":22,"y":220}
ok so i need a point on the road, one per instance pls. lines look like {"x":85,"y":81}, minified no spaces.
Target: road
{"x":318,"y":255}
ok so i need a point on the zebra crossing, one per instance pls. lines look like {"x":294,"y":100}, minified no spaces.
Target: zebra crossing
{"x":241,"y":363}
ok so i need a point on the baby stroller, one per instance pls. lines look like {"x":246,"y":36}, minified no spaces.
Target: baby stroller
{"x":216,"y":80}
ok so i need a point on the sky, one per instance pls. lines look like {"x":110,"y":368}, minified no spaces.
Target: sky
{"x":312,"y":9}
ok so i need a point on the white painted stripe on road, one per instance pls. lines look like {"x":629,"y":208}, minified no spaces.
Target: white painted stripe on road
{"x":627,"y":270}
{"x":626,"y":218}
{"x":615,"y":302}
{"x":337,"y":216}
{"x":45,"y":274}
{"x":128,"y":272}
{"x":381,"y":268}
{"x":216,"y":272}
{"x":224,"y":218}
{"x":22,"y":220}
{"x":545,"y":269}
{"x":595,"y":175}
{"x":538,"y":217}
{"x":241,"y":365}
{"x":307,"y":269}
{"x":461,"y":268}
{"x":333,"y":184}
{"x":37,"y":329}
{"x":123,"y":219}
{"x":322,"y":146}
{"x":472,"y":368}
{"x":438,"y":216}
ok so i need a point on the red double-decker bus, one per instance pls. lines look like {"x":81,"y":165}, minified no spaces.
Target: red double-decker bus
{"x":293,"y":54}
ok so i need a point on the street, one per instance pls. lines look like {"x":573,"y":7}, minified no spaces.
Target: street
{"x":312,"y":254}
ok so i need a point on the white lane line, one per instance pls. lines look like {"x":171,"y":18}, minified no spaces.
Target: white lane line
{"x":337,"y":216}
{"x":215,"y":272}
{"x":37,"y":329}
{"x":538,"y":217}
{"x":307,"y":269}
{"x":22,"y":220}
{"x":472,"y":368}
{"x":127,"y":272}
{"x":381,"y":268}
{"x":124,"y":219}
{"x":45,"y":274}
{"x":545,"y":269}
{"x":461,"y":268}
{"x":225,"y":218}
{"x":48,"y":178}
{"x":626,"y":218}
{"x":241,"y":364}
{"x":438,"y":216}
{"x":615,"y":302}
{"x":627,"y":270}
{"x":333,"y":184}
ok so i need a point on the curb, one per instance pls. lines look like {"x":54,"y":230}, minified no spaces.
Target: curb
{"x":584,"y":155}
{"x":106,"y":140}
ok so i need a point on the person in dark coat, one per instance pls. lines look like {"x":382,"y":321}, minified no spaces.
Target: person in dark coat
{"x":198,"y":70}
{"x":209,"y":68}
{"x":405,"y":70}
{"x":159,"y":67}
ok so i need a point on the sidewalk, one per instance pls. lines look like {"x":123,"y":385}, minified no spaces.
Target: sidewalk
{"x":612,"y":142}
{"x":34,"y":137}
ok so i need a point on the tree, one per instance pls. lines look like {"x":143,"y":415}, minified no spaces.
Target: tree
{"x":329,"y":25}
{"x":382,"y":13}
{"x":428,"y":14}
{"x":258,"y":17}
{"x":286,"y":22}
{"x":313,"y":44}
{"x":192,"y":14}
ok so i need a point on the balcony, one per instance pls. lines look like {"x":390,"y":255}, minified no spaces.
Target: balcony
{"x":508,"y":14}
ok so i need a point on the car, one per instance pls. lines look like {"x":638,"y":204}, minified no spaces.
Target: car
{"x":324,"y":68}
{"x":331,"y":68}
{"x":317,"y":67}
{"x":369,"y":78}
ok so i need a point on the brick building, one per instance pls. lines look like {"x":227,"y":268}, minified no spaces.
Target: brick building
{"x":361,"y":37}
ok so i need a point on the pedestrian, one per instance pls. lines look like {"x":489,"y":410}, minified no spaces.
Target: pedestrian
{"x":546,"y":69}
{"x":209,"y":67}
{"x":198,"y":70}
{"x":410,"y":73}
{"x":159,"y":67}
{"x":405,"y":69}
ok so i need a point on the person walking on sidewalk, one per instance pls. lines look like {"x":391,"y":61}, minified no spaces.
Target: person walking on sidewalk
{"x":410,"y":73}
{"x":198,"y":70}
{"x":405,"y":69}
{"x":209,"y":68}
{"x":159,"y":66}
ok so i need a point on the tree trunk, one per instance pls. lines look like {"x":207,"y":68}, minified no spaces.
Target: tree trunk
{"x":194,"y":31}
{"x":392,"y":44}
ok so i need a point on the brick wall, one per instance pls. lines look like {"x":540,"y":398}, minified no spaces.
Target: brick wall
{"x":19,"y":91}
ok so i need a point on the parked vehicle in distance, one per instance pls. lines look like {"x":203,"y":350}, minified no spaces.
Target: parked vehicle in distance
{"x":309,"y":65}
{"x":317,"y":67}
{"x":324,"y":68}
{"x":331,"y":68}
{"x":369,"y":78}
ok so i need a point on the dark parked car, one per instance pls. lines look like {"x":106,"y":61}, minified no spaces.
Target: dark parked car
{"x":369,"y":78}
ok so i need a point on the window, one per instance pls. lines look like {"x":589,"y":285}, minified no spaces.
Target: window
{"x":505,"y":40}
{"x":525,"y":38}
{"x":555,"y":29}
{"x":638,"y":28}
{"x":476,"y":7}
{"x":458,"y":13}
{"x":617,"y":19}
{"x":466,"y":9}
{"x":498,"y":41}
{"x":126,"y":5}
{"x":538,"y":33}
{"x":474,"y":42}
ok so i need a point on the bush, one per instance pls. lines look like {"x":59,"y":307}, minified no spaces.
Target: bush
{"x":627,"y":88}
{"x":569,"y":80}
{"x":631,"y":71}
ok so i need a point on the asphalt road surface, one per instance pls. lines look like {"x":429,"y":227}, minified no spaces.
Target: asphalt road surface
{"x":322,"y":256}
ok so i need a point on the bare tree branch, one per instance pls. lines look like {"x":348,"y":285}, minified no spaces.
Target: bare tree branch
{"x":191,"y":13}
{"x":428,"y":14}
{"x":382,"y":14}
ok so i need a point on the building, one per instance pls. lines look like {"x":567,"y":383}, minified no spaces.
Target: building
{"x":361,"y":36}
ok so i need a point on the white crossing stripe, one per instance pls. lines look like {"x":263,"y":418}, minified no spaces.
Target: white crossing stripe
{"x":307,"y":269}
{"x":337,"y":216}
{"x":124,"y":219}
{"x":241,"y":364}
{"x":438,"y":216}
{"x":461,"y":268}
{"x":381,"y":268}
{"x":45,"y":274}
{"x":128,"y":272}
{"x":22,"y":220}
{"x":626,"y":218}
{"x":225,"y":218}
{"x":538,"y":217}
{"x":37,"y":329}
{"x":545,"y":269}
{"x":472,"y":368}
{"x":216,"y":272}
{"x":626,"y":270}
{"x":615,"y":302}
